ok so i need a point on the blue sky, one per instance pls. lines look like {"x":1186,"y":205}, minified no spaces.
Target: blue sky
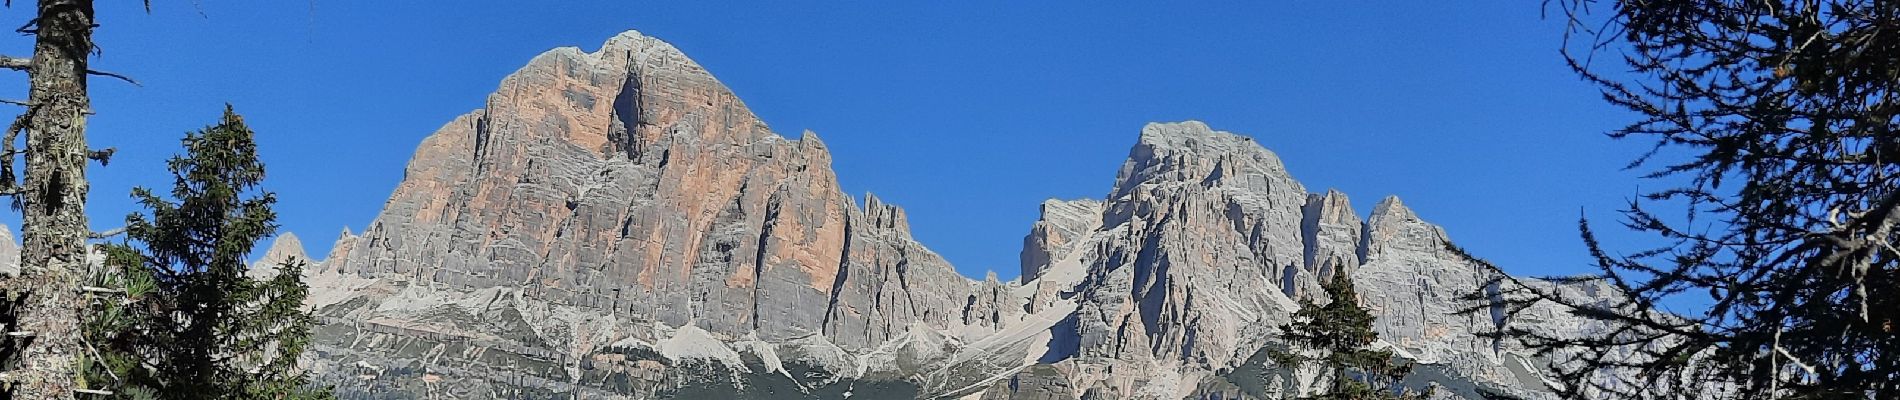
{"x":966,"y":113}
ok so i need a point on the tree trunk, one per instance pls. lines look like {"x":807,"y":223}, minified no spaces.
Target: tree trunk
{"x":53,"y":257}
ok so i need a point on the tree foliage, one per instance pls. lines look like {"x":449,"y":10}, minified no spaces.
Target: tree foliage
{"x":195,"y":321}
{"x":1773,"y":125}
{"x":1341,"y":333}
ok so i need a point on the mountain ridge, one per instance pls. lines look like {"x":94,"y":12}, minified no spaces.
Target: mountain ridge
{"x":617,"y":224}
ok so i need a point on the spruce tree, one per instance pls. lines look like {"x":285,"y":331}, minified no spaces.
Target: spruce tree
{"x":1340,"y":331}
{"x":190,"y":322}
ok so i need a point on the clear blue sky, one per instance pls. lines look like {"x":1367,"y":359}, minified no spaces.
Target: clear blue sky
{"x":966,"y":113}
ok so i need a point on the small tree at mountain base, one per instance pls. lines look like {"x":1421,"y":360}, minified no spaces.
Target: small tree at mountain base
{"x":193,"y":321}
{"x":1341,"y":332}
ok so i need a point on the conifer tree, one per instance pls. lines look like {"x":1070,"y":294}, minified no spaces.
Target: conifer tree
{"x":194,"y":322}
{"x":1774,"y":236}
{"x":1340,"y":331}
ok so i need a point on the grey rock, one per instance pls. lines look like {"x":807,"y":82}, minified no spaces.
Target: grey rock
{"x":1038,"y":382}
{"x":1204,"y":225}
{"x":1332,"y":234}
{"x":9,"y":252}
{"x":1062,"y":224}
{"x":598,"y":190}
{"x":283,"y":250}
{"x":617,"y":224}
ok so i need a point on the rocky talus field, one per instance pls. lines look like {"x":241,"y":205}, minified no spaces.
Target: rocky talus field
{"x":616,"y":224}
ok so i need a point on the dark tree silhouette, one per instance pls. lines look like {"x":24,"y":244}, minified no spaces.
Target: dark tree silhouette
{"x":1773,"y":125}
{"x":195,"y":321}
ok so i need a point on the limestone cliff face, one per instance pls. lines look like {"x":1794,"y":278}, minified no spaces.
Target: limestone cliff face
{"x":1332,"y":234}
{"x":1412,"y":282}
{"x":1202,"y":227}
{"x":598,"y":191}
{"x":1062,"y":224}
{"x":630,"y":181}
{"x":617,"y":224}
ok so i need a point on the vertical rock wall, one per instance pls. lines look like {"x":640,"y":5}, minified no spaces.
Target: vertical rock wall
{"x":618,"y":224}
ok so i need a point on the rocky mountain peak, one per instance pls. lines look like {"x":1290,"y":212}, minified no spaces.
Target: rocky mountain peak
{"x":620,"y":196}
{"x":1393,"y":226}
{"x":886,"y":217}
{"x":1332,"y":207}
{"x":1198,"y":217}
{"x":1332,"y":235}
{"x":1392,"y":209}
{"x":283,"y":248}
{"x":617,"y":224}
{"x":1192,"y":152}
{"x":345,"y":242}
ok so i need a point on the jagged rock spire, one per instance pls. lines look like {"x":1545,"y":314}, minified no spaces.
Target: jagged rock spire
{"x":1057,"y":233}
{"x":283,"y":248}
{"x":629,"y":183}
{"x":608,"y":216}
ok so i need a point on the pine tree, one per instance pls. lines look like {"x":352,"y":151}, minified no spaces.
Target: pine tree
{"x":191,"y":322}
{"x":1341,"y":332}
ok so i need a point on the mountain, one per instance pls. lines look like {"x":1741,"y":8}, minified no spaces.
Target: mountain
{"x":617,"y":224}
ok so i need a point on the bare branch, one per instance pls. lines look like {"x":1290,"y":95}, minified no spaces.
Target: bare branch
{"x":108,"y":233}
{"x":22,"y":64}
{"x":102,"y":156}
{"x":15,"y":63}
{"x":120,"y":76}
{"x":96,"y":289}
{"x":95,"y":351}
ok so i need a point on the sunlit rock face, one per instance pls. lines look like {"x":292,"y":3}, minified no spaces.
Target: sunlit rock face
{"x":596,"y":190}
{"x":1201,"y":231}
{"x":9,"y":253}
{"x":617,"y":224}
{"x":1062,"y":224}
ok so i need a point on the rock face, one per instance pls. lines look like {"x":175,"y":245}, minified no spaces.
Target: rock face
{"x":9,"y":253}
{"x":1331,"y":232}
{"x":1201,"y":229}
{"x":285,"y":248}
{"x":616,"y":224}
{"x":599,"y":189}
{"x":1062,"y":225}
{"x":630,"y":181}
{"x":1412,"y":283}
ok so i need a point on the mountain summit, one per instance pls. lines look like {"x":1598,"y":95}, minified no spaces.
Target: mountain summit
{"x":617,"y":224}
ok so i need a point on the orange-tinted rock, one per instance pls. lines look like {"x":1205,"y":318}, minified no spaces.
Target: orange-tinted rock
{"x":629,"y":180}
{"x":617,"y":224}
